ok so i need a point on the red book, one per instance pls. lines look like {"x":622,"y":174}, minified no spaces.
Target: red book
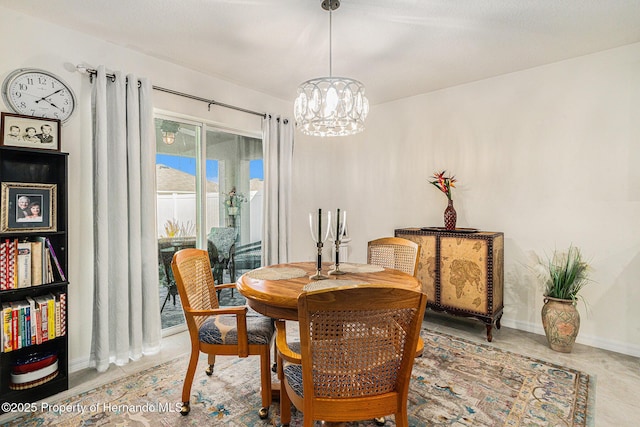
{"x":14,"y":328}
{"x":43,"y":307}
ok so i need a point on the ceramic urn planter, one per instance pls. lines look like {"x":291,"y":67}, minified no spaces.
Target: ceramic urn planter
{"x":561,"y":322}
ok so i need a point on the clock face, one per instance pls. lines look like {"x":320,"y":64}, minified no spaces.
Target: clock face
{"x":38,"y":93}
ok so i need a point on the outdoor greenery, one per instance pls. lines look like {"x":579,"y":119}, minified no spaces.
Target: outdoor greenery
{"x":175,"y":228}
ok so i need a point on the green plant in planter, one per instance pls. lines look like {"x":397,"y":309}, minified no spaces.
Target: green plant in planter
{"x":567,"y":274}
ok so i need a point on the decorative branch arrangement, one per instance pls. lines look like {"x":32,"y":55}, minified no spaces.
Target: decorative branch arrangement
{"x":444,"y":183}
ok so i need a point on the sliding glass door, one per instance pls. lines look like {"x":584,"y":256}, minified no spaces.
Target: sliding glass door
{"x":209,"y":195}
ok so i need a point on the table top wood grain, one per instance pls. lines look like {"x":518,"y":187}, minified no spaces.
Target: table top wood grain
{"x":279,"y":298}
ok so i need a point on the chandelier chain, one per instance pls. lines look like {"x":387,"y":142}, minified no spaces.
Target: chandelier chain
{"x":330,"y":44}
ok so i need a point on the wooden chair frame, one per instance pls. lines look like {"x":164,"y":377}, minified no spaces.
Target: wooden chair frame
{"x":394,"y":252}
{"x":359,"y":298}
{"x":195,"y":317}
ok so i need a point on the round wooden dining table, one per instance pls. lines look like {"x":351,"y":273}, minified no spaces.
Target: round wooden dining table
{"x":273,"y":290}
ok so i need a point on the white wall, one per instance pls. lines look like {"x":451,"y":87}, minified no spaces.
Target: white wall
{"x":550,"y":156}
{"x":545,"y":155}
{"x":59,"y":50}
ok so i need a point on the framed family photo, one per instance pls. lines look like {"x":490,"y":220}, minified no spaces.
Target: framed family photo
{"x":28,"y":207}
{"x":30,"y":132}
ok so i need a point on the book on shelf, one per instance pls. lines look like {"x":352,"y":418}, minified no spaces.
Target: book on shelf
{"x":55,"y":260}
{"x":4,"y":284}
{"x":7,"y":336}
{"x":11,"y":263}
{"x":28,"y":263}
{"x":49,"y":270}
{"x":26,"y":325}
{"x":33,"y":321}
{"x":38,"y":325}
{"x":24,"y":264}
{"x":47,"y":274}
{"x":36,"y":264}
{"x":62,"y":296}
{"x":18,"y":319}
{"x":32,"y":309}
{"x":51,"y":309}
{"x":43,"y":308}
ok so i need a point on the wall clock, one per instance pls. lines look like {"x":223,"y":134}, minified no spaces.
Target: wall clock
{"x":38,"y":93}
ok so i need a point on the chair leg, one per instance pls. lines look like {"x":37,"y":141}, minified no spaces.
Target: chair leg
{"x":265,"y":374}
{"x":165,"y":301}
{"x":285,"y":402}
{"x":307,"y":422}
{"x":402,"y":420}
{"x":274,"y":367}
{"x":211,"y":359}
{"x":188,"y":381}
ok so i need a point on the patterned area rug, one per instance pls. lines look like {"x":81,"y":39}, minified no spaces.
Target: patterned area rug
{"x":455,"y":383}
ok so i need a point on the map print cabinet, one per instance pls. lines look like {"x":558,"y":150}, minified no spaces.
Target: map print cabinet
{"x":462,"y":273}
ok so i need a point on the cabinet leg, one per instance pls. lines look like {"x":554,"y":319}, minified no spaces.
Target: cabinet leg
{"x":489,"y":335}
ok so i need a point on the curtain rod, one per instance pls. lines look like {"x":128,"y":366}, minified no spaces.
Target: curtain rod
{"x":92,"y":72}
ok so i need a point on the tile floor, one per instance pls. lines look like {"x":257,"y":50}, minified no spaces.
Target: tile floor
{"x":617,"y":376}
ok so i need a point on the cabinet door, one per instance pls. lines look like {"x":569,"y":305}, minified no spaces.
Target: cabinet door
{"x":427,"y":263}
{"x":463,"y":274}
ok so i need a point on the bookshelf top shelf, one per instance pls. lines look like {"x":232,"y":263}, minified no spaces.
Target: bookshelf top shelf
{"x":31,"y":151}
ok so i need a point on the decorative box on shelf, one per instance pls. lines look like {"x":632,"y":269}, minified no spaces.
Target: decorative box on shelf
{"x":462,"y":271}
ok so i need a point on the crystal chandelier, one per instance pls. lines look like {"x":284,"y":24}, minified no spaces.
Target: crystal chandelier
{"x":331,"y":106}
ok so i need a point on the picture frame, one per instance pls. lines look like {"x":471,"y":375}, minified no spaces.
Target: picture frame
{"x":38,"y":133}
{"x":18,"y":211}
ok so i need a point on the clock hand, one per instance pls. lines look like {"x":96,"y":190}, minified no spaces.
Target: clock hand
{"x":49,"y":102}
{"x":44,"y":98}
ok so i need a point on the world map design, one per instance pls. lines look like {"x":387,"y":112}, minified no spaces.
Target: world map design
{"x":465,"y":272}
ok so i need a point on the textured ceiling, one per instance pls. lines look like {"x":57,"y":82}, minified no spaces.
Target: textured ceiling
{"x":397,"y":48}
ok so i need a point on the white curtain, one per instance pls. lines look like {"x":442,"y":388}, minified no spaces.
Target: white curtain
{"x":126,"y":321}
{"x":277,"y":145}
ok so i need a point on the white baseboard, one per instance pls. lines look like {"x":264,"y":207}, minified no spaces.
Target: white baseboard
{"x":79,"y":364}
{"x":590,"y":340}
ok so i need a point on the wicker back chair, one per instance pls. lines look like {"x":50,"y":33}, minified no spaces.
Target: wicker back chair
{"x":357,"y":346}
{"x":394,"y":252}
{"x":218,"y":330}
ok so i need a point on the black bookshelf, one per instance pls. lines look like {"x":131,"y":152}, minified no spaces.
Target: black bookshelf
{"x":30,"y":166}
